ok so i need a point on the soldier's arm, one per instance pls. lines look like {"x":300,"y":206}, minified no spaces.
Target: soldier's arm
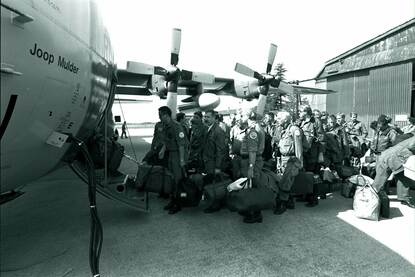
{"x":298,"y":145}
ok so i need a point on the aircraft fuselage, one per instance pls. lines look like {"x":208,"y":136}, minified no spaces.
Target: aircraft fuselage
{"x":56,"y":73}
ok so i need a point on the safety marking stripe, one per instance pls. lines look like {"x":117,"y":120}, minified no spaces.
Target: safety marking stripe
{"x":8,"y":115}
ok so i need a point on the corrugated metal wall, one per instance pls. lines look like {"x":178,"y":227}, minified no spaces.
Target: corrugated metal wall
{"x":372,"y":92}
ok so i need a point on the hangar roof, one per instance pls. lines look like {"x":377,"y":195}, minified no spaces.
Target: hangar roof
{"x":396,"y":45}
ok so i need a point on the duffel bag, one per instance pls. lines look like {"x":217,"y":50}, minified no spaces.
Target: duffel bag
{"x":366,"y":202}
{"x":303,"y":183}
{"x":251,"y":199}
{"x":215,"y":193}
{"x":345,"y":171}
{"x":154,"y":178}
{"x":192,"y":195}
{"x":348,"y":189}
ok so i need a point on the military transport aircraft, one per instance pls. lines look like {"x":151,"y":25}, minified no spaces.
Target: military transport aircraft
{"x":58,"y":81}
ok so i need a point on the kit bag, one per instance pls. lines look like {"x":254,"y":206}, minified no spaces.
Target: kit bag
{"x":348,"y":189}
{"x":193,"y":192}
{"x":215,"y":193}
{"x":250,"y":199}
{"x":366,"y":202}
{"x":303,"y":183}
{"x":154,"y":178}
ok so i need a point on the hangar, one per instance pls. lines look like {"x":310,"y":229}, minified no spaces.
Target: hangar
{"x":375,"y":77}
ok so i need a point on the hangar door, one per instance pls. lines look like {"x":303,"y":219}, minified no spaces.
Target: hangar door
{"x":372,"y":92}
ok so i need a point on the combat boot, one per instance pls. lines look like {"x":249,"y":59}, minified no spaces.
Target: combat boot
{"x":253,"y":217}
{"x":313,"y":201}
{"x":280,"y":206}
{"x":290,"y":203}
{"x":169,"y":205}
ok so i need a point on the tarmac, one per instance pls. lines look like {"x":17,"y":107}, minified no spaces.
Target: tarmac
{"x":45,"y":232}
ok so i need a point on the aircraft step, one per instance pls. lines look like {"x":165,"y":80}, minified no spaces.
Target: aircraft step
{"x":117,"y":186}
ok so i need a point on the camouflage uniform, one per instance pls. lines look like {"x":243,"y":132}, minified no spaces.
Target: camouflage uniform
{"x":337,"y":147}
{"x":291,"y":149}
{"x":315,"y":136}
{"x":357,"y":134}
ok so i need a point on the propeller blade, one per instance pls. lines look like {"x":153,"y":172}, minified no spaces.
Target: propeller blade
{"x":244,"y":70}
{"x":140,"y":68}
{"x":175,"y":46}
{"x":271,"y":57}
{"x":261,"y":105}
{"x":198,"y":77}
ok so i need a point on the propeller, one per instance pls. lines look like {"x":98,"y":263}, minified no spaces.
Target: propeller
{"x":264,"y":80}
{"x":172,"y":75}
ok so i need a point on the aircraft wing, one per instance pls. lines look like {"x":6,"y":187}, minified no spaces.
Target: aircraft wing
{"x":308,"y":90}
{"x":130,"y":83}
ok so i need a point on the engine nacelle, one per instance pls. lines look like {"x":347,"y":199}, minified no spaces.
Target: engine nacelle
{"x":246,"y":89}
{"x":158,"y":85}
{"x":208,"y":101}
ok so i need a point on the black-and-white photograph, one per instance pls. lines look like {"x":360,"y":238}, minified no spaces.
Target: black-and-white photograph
{"x":207,"y":138}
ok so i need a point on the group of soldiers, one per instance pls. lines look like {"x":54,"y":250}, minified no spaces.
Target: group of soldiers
{"x":284,"y":144}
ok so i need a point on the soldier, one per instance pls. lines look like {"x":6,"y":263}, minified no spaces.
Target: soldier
{"x":269,"y":129}
{"x":410,"y":128}
{"x":337,"y":146}
{"x":384,"y":137}
{"x":197,"y":139}
{"x":175,"y":144}
{"x":357,"y":134}
{"x":341,"y":119}
{"x":314,"y":136}
{"x":152,"y":156}
{"x":214,"y":151}
{"x":291,"y":149}
{"x":237,"y":134}
{"x":392,"y":160}
{"x":181,"y":118}
{"x":323,"y":119}
{"x":252,"y":147}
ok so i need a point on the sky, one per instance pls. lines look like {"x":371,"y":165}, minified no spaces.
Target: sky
{"x":218,"y":33}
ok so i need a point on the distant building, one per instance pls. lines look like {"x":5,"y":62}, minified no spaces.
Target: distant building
{"x":375,"y":77}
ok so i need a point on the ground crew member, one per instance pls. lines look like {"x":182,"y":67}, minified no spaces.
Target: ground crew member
{"x":175,"y":144}
{"x":252,"y":147}
{"x":197,"y":139}
{"x":357,"y":134}
{"x":291,"y":149}
{"x":124,"y":130}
